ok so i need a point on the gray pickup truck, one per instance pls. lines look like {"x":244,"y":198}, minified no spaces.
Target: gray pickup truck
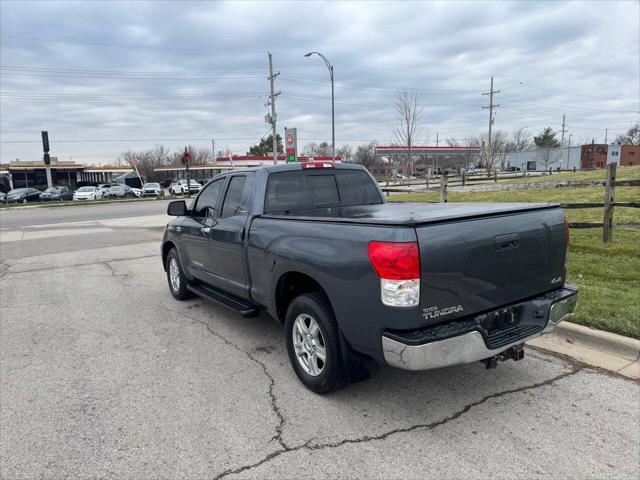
{"x":359,"y":282}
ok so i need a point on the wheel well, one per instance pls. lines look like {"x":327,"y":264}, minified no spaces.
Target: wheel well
{"x":166,"y":248}
{"x":292,"y":284}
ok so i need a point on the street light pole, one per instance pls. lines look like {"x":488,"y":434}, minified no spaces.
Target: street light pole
{"x":333,"y":121}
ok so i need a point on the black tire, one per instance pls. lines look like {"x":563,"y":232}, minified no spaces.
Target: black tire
{"x":333,"y":375}
{"x":182,"y":292}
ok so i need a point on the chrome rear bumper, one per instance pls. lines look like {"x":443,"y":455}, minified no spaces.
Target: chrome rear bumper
{"x":466,"y":348}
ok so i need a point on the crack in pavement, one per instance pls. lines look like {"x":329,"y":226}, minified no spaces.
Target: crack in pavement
{"x":425,"y":426}
{"x":274,"y":404}
{"x":6,"y":270}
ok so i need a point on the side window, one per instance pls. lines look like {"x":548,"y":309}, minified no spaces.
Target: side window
{"x":234,"y":199}
{"x":208,"y":199}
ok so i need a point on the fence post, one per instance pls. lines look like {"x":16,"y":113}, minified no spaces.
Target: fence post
{"x":609,"y":198}
{"x":464,"y":178}
{"x":443,"y":187}
{"x":427,"y":180}
{"x":495,"y":175}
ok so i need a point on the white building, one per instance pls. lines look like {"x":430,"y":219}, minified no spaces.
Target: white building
{"x":565,"y":158}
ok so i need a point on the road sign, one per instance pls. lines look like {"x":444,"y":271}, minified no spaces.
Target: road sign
{"x":291,"y":144}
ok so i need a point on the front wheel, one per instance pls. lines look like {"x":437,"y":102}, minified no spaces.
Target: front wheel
{"x":176,"y":277}
{"x":313,"y":343}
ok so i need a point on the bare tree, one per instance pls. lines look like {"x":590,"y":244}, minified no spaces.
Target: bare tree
{"x":365,"y":155}
{"x":408,"y":127}
{"x":631,"y":137}
{"x":317,"y":150}
{"x":146,"y":161}
{"x":345,"y":153}
{"x":468,"y":158}
{"x":520,"y":140}
{"x":548,"y":156}
{"x":199,"y":156}
{"x":497,"y":143}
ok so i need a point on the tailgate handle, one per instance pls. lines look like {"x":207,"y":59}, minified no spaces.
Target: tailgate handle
{"x":506,"y":242}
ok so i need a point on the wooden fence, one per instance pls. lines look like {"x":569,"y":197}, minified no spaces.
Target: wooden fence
{"x":610,"y":183}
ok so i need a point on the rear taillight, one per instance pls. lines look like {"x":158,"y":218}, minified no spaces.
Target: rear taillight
{"x":398,"y":265}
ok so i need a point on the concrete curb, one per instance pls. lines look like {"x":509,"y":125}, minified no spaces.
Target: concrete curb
{"x":598,"y":348}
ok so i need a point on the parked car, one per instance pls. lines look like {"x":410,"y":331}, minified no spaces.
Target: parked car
{"x":358,"y":282}
{"x":3,"y":197}
{"x":23,"y":195}
{"x":136,"y":191}
{"x":151,"y":189}
{"x":180,"y":187}
{"x":103,"y":188}
{"x":54,"y":193}
{"x":87,"y":193}
{"x":117,"y":191}
{"x":120,"y":191}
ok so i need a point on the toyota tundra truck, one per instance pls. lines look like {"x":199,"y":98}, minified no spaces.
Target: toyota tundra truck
{"x":359,"y":282}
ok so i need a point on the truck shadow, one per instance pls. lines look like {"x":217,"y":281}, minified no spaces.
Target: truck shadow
{"x":393,"y":396}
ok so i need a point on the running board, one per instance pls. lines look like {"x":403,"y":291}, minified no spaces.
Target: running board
{"x":244,"y":308}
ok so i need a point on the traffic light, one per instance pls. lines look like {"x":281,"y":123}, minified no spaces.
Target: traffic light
{"x":45,"y":147}
{"x":186,"y":156}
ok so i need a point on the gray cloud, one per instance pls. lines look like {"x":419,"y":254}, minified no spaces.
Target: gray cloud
{"x":178,"y":70}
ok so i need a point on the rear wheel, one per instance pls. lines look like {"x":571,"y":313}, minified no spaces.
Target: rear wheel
{"x":313,"y":343}
{"x":176,"y":277}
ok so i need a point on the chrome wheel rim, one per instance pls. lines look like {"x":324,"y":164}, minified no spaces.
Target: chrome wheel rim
{"x":174,"y":274}
{"x":308,"y":344}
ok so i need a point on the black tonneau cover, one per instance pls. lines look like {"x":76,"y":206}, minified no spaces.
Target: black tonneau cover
{"x":409,"y":214}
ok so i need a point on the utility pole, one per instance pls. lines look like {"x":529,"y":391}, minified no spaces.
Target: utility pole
{"x":563,"y":130}
{"x":490,"y":107}
{"x":272,"y":117}
{"x":606,"y":135}
{"x":213,"y":149}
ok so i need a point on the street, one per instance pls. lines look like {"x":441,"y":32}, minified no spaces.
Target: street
{"x":104,"y":374}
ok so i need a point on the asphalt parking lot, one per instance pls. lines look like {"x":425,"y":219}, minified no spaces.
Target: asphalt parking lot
{"x":104,"y":374}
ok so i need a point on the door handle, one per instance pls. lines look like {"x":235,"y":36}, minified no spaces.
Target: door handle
{"x":205,"y":230}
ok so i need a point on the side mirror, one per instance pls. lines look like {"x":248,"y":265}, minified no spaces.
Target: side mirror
{"x":177,"y":208}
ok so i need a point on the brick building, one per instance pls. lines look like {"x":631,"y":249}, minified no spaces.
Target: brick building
{"x":598,"y":155}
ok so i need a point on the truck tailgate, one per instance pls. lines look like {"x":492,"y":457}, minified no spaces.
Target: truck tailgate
{"x":480,"y":264}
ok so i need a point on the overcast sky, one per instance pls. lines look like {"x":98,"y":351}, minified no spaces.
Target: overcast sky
{"x":103,"y":77}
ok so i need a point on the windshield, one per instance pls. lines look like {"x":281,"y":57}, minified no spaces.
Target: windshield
{"x":151,"y":185}
{"x":17,"y":190}
{"x":86,"y":189}
{"x":51,"y":190}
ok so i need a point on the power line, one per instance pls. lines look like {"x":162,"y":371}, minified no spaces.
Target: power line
{"x":115,"y":45}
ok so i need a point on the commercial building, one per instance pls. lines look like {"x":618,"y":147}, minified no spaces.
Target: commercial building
{"x":565,"y":158}
{"x":30,"y":174}
{"x":598,"y":155}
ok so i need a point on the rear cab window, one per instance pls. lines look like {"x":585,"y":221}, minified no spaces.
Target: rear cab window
{"x":306,"y":190}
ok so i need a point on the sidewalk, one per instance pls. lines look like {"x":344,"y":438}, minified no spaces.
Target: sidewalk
{"x":597,"y":348}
